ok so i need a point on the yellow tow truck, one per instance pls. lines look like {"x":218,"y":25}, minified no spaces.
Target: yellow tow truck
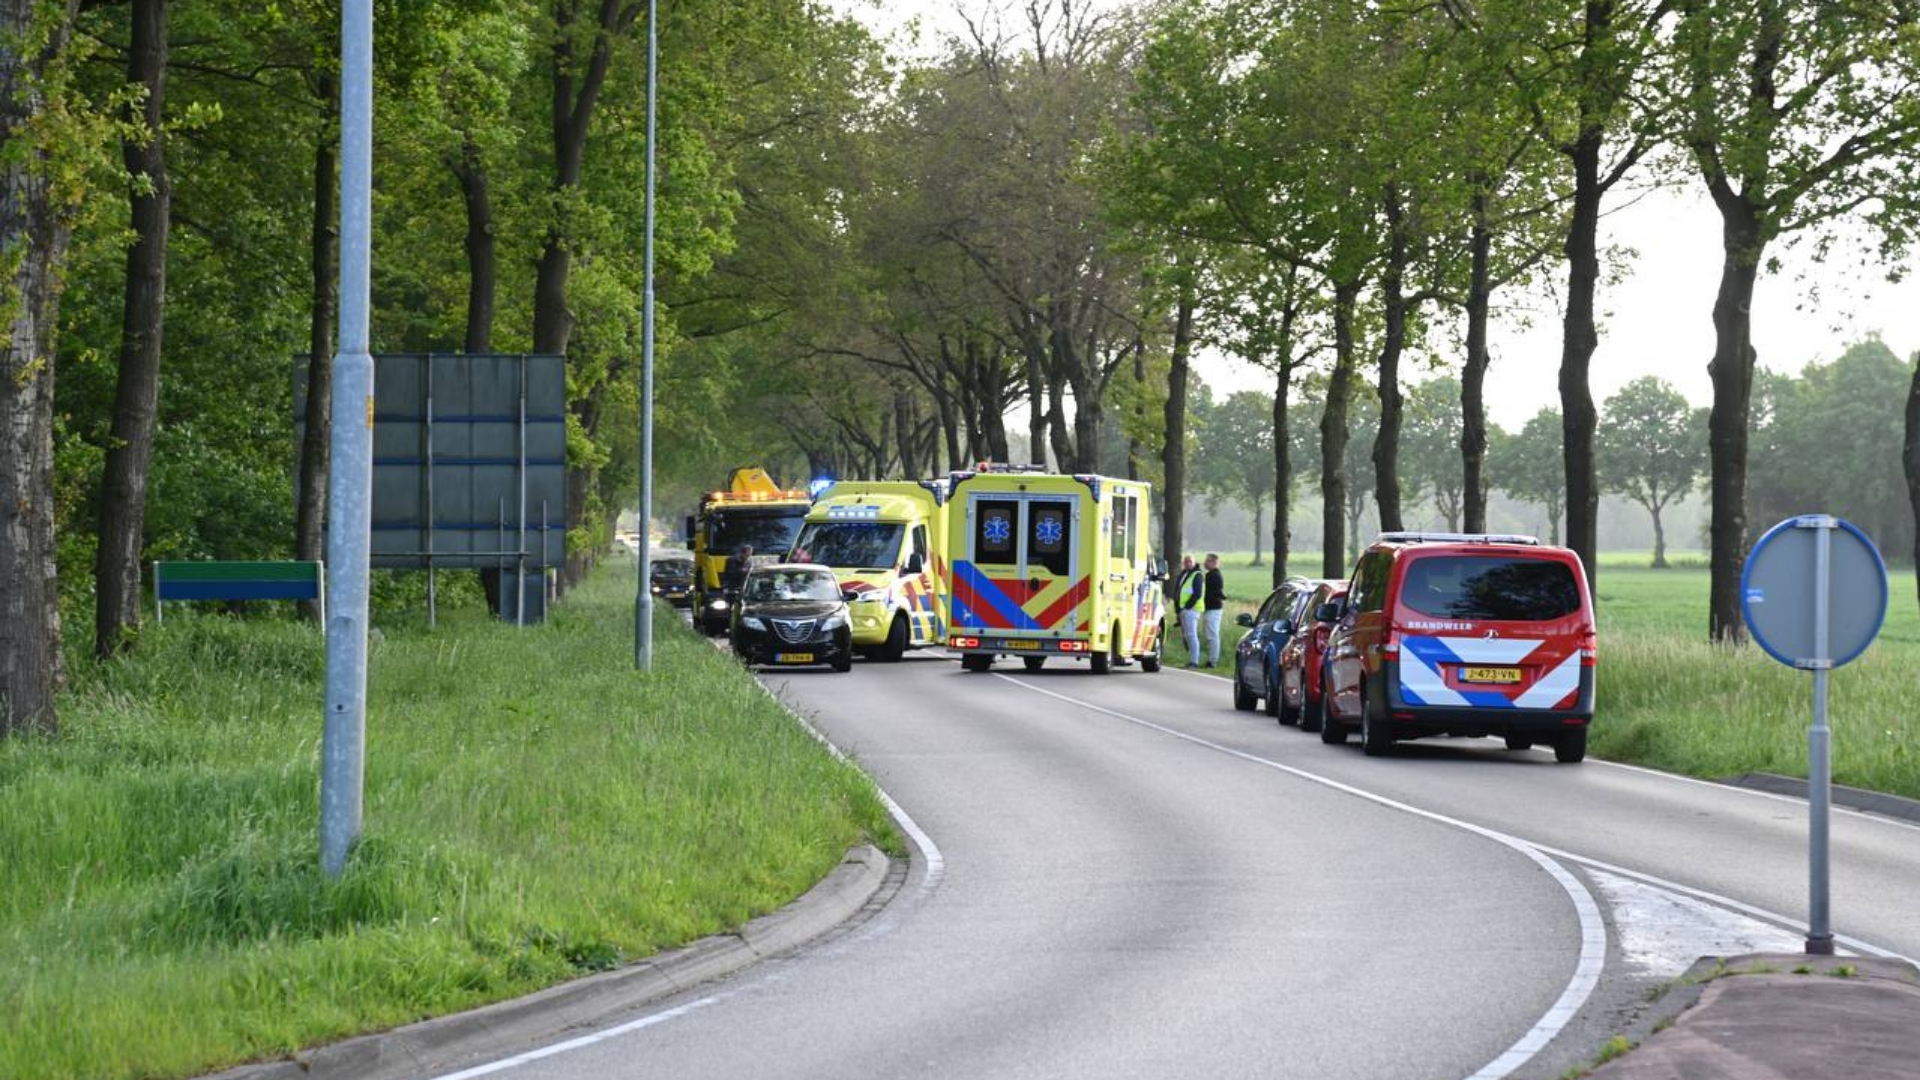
{"x":754,"y":511}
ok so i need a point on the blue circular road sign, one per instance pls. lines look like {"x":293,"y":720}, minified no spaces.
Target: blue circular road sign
{"x":1781,"y":591}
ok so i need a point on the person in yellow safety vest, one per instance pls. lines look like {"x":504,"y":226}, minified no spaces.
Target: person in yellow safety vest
{"x":1188,"y":593}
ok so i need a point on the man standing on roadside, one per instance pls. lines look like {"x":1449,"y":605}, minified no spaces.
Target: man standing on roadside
{"x":1216,"y":599}
{"x":1188,"y":592}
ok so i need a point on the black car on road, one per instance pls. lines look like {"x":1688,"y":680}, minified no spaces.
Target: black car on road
{"x":672,"y":579}
{"x":790,"y":614}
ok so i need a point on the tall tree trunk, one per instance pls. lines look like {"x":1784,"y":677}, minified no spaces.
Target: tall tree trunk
{"x":1064,"y":457}
{"x":309,"y":540}
{"x":123,"y":482}
{"x":575,"y":95}
{"x":1910,"y":457}
{"x":1732,"y":372}
{"x":34,"y":233}
{"x":1333,"y":436}
{"x":1659,"y":541}
{"x":906,"y":424}
{"x":1282,"y":464}
{"x":1259,"y":532}
{"x":1173,"y":456}
{"x":1473,"y":377}
{"x":482,"y":274}
{"x":1580,"y":337}
{"x":1036,"y":409}
{"x":1136,"y":450}
{"x":1386,"y":442}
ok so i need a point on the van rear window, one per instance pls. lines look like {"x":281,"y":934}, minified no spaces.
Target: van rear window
{"x":1493,"y":589}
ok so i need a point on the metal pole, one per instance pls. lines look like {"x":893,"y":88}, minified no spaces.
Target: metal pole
{"x":643,"y":592}
{"x":520,"y":575}
{"x":350,"y":484}
{"x":1819,"y":748}
{"x":433,"y":606}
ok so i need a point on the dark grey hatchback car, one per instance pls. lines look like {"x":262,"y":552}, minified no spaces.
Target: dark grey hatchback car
{"x":792,"y":614}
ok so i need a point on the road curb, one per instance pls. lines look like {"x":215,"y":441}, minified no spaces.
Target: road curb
{"x":449,"y":1043}
{"x":1873,"y":802}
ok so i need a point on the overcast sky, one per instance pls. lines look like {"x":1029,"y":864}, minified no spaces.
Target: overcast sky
{"x":1656,"y":320}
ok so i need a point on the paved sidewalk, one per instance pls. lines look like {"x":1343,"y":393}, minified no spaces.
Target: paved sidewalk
{"x":1784,"y":1016}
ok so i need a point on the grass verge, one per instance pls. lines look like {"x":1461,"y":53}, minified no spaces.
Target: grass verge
{"x":534,"y":810}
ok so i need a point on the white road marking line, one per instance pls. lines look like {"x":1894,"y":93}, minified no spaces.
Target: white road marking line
{"x":1593,"y":931}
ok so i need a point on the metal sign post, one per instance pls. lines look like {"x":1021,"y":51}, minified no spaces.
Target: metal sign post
{"x":1814,"y":592}
{"x":643,"y":594}
{"x":350,"y":483}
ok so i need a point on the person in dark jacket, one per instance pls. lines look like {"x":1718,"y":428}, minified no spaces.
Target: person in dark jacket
{"x":1188,"y":593}
{"x":734,"y":574}
{"x":1214,"y":602}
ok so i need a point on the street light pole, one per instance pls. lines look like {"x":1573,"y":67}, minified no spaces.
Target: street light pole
{"x":350,"y":479}
{"x":643,"y":596}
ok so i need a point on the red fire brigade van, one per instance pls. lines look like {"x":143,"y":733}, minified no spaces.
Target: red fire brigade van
{"x":1458,"y":634}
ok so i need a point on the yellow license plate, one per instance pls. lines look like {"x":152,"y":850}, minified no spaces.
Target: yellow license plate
{"x":1490,"y":674}
{"x":1023,"y":644}
{"x":794,"y":658}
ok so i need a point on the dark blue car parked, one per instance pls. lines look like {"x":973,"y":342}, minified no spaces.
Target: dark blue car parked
{"x":1256,"y":663}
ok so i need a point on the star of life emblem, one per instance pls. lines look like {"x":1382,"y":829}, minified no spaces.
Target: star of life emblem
{"x":997,"y":530}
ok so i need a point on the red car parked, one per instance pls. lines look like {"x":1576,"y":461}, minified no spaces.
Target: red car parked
{"x":1300,"y":661}
{"x":1471,"y":635}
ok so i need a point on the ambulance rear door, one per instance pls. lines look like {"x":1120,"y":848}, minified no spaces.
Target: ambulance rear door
{"x":1021,"y":578}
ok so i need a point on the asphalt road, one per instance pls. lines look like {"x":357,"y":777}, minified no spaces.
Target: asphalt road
{"x":1123,"y":877}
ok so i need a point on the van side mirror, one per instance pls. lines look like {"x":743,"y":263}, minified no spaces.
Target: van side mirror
{"x":915,"y":564}
{"x":1284,"y":626}
{"x":1244,"y":619}
{"x":1329,"y":611}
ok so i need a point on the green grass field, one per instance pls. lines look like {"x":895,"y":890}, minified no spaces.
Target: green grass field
{"x":534,"y":810}
{"x":1668,"y":699}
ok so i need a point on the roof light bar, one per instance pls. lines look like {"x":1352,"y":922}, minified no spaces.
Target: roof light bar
{"x":1457,"y":538}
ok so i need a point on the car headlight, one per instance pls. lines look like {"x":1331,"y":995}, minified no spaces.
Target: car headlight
{"x":752,"y":622}
{"x":834,"y":621}
{"x":717,"y":605}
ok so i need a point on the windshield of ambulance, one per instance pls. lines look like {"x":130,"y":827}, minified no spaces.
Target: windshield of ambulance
{"x":765,"y":585}
{"x":850,"y":545}
{"x":770,"y":531}
{"x":1496,"y":589}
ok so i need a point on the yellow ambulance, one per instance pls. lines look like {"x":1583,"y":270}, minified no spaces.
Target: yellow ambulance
{"x":885,"y":541}
{"x":1047,"y":566}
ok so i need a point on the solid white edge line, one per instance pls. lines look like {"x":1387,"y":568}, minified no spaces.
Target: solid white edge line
{"x":936,"y":868}
{"x":1593,"y":930}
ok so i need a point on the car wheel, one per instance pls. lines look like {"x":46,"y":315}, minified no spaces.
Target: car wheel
{"x":1570,"y":747}
{"x":976,"y":662}
{"x":1151,"y":661}
{"x":843,"y":662}
{"x":1243,"y":698}
{"x":1517,"y":742}
{"x":1333,"y":731}
{"x":896,"y":646}
{"x":1376,"y":733}
{"x":1311,"y":711}
{"x":1034,"y":663}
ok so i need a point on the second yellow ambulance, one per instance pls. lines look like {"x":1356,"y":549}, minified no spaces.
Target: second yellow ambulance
{"x":886,"y":542}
